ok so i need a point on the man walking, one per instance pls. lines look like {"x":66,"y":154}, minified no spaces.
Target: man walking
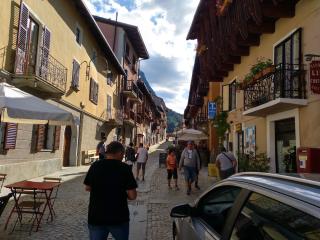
{"x":110,"y":183}
{"x":142,"y":158}
{"x":226,"y":163}
{"x":130,"y":155}
{"x":101,"y":148}
{"x":190,"y":161}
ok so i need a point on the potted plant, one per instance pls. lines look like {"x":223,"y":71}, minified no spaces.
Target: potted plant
{"x":268,"y":67}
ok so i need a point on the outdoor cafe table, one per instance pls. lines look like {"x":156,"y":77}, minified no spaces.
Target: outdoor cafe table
{"x":45,"y":188}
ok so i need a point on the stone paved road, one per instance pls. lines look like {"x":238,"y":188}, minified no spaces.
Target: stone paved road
{"x":149,"y":213}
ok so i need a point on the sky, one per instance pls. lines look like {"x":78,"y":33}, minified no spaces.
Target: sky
{"x":164,"y":25}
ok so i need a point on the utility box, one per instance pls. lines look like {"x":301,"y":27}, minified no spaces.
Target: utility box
{"x":308,"y":160}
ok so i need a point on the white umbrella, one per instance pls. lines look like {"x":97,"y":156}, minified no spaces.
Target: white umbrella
{"x":18,"y":106}
{"x":191,"y":134}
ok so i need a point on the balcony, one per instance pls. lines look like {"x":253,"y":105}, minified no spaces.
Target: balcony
{"x":202,"y":118}
{"x":47,"y":78}
{"x":129,"y":117}
{"x":203,"y":89}
{"x":132,"y":91}
{"x":197,"y":101}
{"x":115,"y":117}
{"x":281,"y":90}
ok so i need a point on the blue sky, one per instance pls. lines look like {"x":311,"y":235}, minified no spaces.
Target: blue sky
{"x":164,"y":25}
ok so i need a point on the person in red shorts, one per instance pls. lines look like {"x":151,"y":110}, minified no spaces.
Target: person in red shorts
{"x":172,"y":168}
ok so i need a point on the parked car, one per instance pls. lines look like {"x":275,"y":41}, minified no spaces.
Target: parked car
{"x":252,"y":206}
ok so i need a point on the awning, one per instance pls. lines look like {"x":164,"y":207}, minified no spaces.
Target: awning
{"x":18,"y":106}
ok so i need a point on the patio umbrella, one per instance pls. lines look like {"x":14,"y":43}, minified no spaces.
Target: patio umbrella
{"x":18,"y":106}
{"x":191,"y":134}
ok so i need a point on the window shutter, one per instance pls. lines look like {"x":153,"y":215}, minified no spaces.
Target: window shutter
{"x":75,"y":74}
{"x":40,"y":137}
{"x":11,"y":136}
{"x":21,"y":57}
{"x":96,"y":92}
{"x":46,"y":36}
{"x":57,"y":137}
{"x":225,"y":94}
{"x":109,"y":99}
{"x":91,"y":90}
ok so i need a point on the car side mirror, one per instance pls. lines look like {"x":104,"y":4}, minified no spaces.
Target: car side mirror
{"x":181,"y":211}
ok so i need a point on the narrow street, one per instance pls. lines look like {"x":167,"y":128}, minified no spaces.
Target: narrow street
{"x":149,"y":213}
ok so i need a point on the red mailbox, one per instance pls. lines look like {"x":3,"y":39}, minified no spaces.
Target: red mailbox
{"x":308,"y":160}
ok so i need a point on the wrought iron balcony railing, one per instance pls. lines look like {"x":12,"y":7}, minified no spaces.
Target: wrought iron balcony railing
{"x":51,"y":70}
{"x":287,"y":81}
{"x":202,"y":117}
{"x":203,"y":89}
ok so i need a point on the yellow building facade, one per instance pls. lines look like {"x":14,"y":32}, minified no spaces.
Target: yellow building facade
{"x":55,"y":50}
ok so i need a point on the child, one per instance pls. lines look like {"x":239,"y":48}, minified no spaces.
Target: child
{"x":172,"y":168}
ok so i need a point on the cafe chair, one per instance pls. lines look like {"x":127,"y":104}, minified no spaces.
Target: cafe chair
{"x":3,"y":202}
{"x":2,"y":178}
{"x":54,"y":194}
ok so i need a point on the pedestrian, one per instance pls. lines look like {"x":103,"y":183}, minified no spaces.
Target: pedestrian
{"x":101,"y":148}
{"x":110,"y":183}
{"x":130,"y":156}
{"x":172,"y":168}
{"x":190,"y":162}
{"x":142,"y":158}
{"x":226,"y":163}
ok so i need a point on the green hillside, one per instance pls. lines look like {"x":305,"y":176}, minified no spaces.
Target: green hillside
{"x":174,"y":119}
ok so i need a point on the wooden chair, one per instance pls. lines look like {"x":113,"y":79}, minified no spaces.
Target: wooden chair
{"x":2,"y":178}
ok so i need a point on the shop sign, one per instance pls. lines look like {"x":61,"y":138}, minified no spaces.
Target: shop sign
{"x":239,"y":127}
{"x":315,"y":76}
{"x":212,"y":109}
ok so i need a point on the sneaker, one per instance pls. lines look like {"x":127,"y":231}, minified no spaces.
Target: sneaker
{"x":197,"y":187}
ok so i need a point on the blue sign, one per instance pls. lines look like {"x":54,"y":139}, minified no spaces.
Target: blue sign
{"x":212,"y":110}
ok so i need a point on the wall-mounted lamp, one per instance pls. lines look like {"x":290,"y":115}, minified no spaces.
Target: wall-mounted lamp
{"x":310,"y":56}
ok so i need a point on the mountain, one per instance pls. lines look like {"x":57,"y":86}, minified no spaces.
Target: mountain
{"x":174,"y":119}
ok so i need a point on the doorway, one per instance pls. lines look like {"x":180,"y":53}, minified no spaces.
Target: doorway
{"x":285,"y":136}
{"x":67,"y":144}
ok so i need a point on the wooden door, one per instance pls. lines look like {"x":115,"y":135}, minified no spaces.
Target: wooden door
{"x":67,"y":144}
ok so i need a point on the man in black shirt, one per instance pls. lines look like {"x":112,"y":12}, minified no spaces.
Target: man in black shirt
{"x":110,"y":183}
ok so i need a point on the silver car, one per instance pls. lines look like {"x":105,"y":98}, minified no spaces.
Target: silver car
{"x":252,"y":206}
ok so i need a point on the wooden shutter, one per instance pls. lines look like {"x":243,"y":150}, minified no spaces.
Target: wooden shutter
{"x":21,"y":50}
{"x":225,"y":95}
{"x":10,"y":136}
{"x":75,"y":74}
{"x":46,"y":37}
{"x":91,"y":90}
{"x":57,"y":137}
{"x":41,"y":134}
{"x":96,"y":92}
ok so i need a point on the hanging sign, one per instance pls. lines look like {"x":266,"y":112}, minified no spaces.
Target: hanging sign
{"x":212,"y":109}
{"x":315,"y":76}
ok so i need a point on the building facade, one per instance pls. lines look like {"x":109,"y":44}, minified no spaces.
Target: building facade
{"x":56,"y":51}
{"x":265,"y":57}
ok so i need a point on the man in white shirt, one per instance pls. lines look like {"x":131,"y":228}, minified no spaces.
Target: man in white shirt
{"x":142,"y":158}
{"x":226,"y":163}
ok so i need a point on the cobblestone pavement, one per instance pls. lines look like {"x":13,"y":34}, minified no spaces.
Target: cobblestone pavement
{"x":149,"y":213}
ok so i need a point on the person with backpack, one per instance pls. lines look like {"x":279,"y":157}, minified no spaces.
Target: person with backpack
{"x":226,"y":163}
{"x":130,"y":155}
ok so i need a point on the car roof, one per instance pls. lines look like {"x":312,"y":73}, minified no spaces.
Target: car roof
{"x":297,"y":187}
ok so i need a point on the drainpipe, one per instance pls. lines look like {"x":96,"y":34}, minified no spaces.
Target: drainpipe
{"x":80,"y":139}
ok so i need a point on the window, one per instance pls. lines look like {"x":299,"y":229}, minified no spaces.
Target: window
{"x":266,"y":218}
{"x":289,"y":50}
{"x":8,"y":136}
{"x":232,"y":96}
{"x":109,"y":77}
{"x":94,"y":56}
{"x":225,"y":98}
{"x":94,"y":88}
{"x":47,"y":137}
{"x":109,"y":102}
{"x":75,"y":75}
{"x":78,"y":34}
{"x":214,"y":207}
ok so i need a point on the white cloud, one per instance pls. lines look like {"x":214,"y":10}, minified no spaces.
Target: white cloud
{"x":165,"y":40}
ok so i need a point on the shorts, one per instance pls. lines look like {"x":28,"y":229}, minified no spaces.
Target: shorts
{"x":141,"y":165}
{"x":190,"y":173}
{"x":172,"y":172}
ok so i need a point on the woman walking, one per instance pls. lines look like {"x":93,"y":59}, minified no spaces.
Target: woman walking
{"x":172,"y":168}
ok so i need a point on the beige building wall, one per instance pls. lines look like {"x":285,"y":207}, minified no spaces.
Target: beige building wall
{"x":307,"y":17}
